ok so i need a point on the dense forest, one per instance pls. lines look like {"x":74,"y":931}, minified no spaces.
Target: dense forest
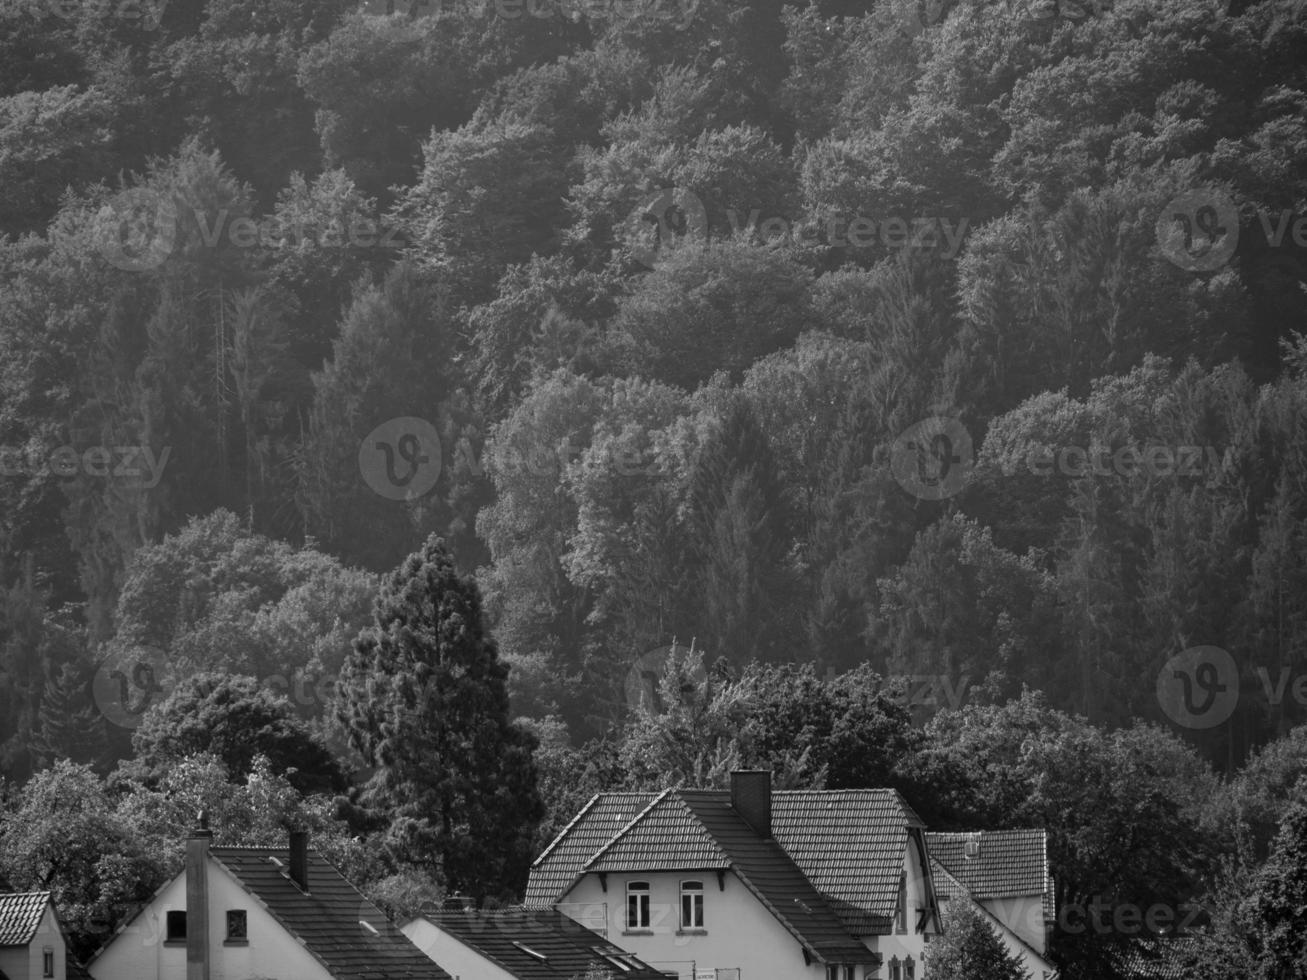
{"x":638,"y":325}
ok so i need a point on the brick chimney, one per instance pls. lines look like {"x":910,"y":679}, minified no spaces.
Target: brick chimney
{"x":299,"y":859}
{"x":197,"y":900}
{"x":751,"y":798}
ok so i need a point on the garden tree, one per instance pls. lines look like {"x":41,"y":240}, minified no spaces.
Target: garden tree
{"x":235,"y":719}
{"x":215,"y":597}
{"x":424,"y":698}
{"x":546,"y":316}
{"x":850,"y":729}
{"x":706,"y":309}
{"x":538,"y":614}
{"x":970,"y":613}
{"x":61,"y":834}
{"x":391,"y":360}
{"x":739,"y":541}
{"x":487,"y":197}
{"x":1277,"y":905}
{"x":970,"y":948}
{"x":254,"y":808}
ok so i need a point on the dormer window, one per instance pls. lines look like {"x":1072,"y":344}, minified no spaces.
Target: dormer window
{"x":637,"y":905}
{"x":692,"y":905}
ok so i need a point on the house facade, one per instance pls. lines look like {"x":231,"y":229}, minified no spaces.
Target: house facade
{"x":749,"y":884}
{"x":257,"y":913}
{"x":31,"y":938}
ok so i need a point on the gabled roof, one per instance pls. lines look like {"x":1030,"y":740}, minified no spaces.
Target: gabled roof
{"x":344,"y":931}
{"x":949,"y":888}
{"x":560,"y":863}
{"x":667,"y":835}
{"x":1007,"y":863}
{"x":851,"y":844}
{"x":20,"y":916}
{"x":539,"y":944}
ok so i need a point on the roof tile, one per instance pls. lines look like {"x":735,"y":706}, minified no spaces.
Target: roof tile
{"x":20,"y":916}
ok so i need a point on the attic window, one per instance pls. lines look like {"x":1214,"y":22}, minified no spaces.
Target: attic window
{"x":175,"y":926}
{"x":972,"y":847}
{"x":47,"y":961}
{"x":529,"y":951}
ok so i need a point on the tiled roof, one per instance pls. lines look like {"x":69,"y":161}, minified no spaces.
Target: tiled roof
{"x":330,"y":918}
{"x":20,"y":916}
{"x":1008,"y":863}
{"x":665,"y":836}
{"x":777,"y":881}
{"x":1155,"y":959}
{"x":539,"y":944}
{"x":948,"y":888}
{"x":850,"y":844}
{"x":599,"y":820}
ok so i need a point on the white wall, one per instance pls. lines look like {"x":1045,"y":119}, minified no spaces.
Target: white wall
{"x":23,"y":962}
{"x":739,"y":931}
{"x":1024,"y":916}
{"x":139,"y":952}
{"x":913,"y":943}
{"x":457,"y":958}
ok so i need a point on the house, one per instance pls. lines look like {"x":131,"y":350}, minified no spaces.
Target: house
{"x":749,"y":884}
{"x":241,"y":913}
{"x":519,"y":944}
{"x":1005,"y":874}
{"x":31,"y":938}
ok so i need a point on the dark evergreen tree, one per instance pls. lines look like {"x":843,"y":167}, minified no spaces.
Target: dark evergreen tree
{"x":424,"y":698}
{"x":70,"y":725}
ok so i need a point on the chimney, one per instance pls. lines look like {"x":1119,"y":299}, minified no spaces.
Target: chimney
{"x":751,"y":798}
{"x":197,"y":900}
{"x":299,"y":859}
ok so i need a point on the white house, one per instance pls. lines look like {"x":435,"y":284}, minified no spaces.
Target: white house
{"x":259,"y":913}
{"x":1005,"y":874}
{"x":519,"y":944}
{"x":31,"y":939}
{"x":749,"y":884}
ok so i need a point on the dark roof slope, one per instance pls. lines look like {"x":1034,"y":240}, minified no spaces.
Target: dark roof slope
{"x":349,"y":935}
{"x":666,"y":836}
{"x":560,"y":863}
{"x":539,"y":944}
{"x":20,"y":916}
{"x":1156,"y":959}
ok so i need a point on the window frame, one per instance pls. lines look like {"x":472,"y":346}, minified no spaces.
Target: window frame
{"x":692,"y":899}
{"x":639,"y":904}
{"x":47,"y":961}
{"x":174,"y":926}
{"x":244,"y":919}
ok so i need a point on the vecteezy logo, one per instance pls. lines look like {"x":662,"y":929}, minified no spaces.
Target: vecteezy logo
{"x":401,"y":459}
{"x":1199,"y":230}
{"x":1199,"y":688}
{"x":137,"y":230}
{"x":932,"y":459}
{"x":644,"y":677}
{"x":128,"y":682}
{"x":662,"y":218}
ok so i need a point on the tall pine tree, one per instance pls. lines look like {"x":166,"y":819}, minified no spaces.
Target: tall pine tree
{"x":424,"y":698}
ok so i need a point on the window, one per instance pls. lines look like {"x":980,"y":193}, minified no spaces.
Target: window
{"x":909,"y":969}
{"x":901,"y":910}
{"x":237,"y":926}
{"x":47,"y":961}
{"x":637,"y":905}
{"x":175,"y":924}
{"x":895,"y":969}
{"x":692,"y":905}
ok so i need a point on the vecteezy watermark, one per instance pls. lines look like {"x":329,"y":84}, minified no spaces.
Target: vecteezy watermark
{"x":1199,"y":687}
{"x":1199,"y":229}
{"x":933,"y":458}
{"x":644,"y":676}
{"x":856,"y":231}
{"x":138,"y":465}
{"x":401,"y":459}
{"x":138,"y":229}
{"x":671,"y":11}
{"x":661,"y":219}
{"x":1126,"y":461}
{"x":128,"y":682}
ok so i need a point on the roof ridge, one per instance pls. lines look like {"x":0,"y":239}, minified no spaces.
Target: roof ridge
{"x":623,"y":830}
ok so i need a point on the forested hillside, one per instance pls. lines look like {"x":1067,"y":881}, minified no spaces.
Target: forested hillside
{"x":959,"y":342}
